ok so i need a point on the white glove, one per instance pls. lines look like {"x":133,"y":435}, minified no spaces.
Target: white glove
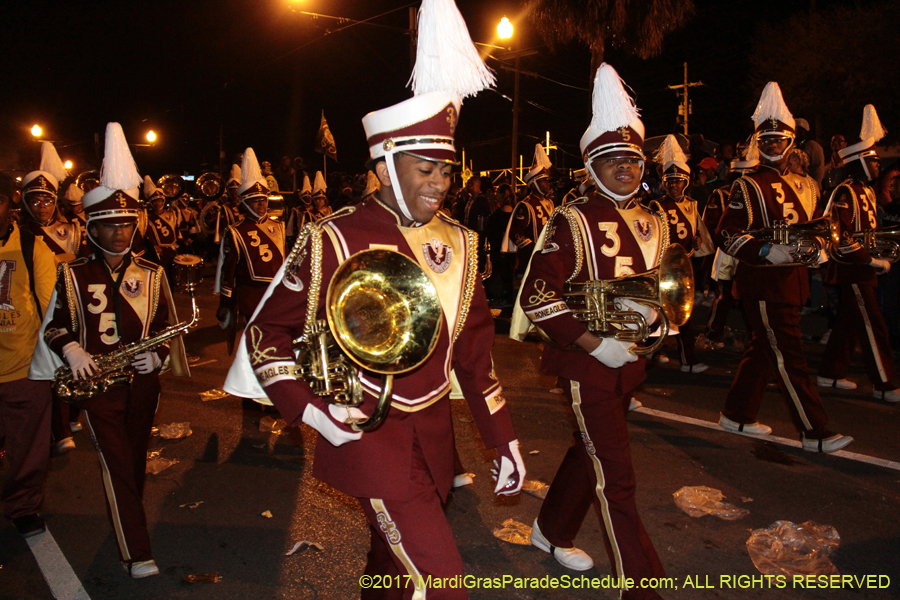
{"x":648,"y":313}
{"x":614,"y":353}
{"x":346,"y":414}
{"x":510,"y":474}
{"x":881,"y":265}
{"x":146,"y":362}
{"x":81,"y":363}
{"x":331,"y":428}
{"x":779,"y":254}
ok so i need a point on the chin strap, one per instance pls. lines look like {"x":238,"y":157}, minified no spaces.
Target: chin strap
{"x":778,"y":158}
{"x":123,"y":253}
{"x":395,"y":183}
{"x":252,"y":212}
{"x":614,"y":196}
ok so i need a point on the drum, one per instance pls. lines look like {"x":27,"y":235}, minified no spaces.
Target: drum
{"x":186,"y":268}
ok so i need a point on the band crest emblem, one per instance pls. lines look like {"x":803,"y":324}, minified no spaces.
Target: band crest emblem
{"x":644,"y":229}
{"x":438,"y":255}
{"x":132,"y":287}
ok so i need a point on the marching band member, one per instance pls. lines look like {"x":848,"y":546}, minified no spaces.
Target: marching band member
{"x":162,"y":225}
{"x":531,"y":214}
{"x":686,"y":229}
{"x":853,"y":205}
{"x":319,"y":208}
{"x":217,"y":215}
{"x":771,"y":285}
{"x":403,"y":471}
{"x":251,"y":251}
{"x":584,"y":184}
{"x":604,"y":235}
{"x":300,"y":214}
{"x":101,"y":303}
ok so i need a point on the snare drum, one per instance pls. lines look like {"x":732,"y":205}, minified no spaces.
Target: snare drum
{"x":186,"y":268}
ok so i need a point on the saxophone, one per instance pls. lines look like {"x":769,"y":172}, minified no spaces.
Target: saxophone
{"x":115,"y":368}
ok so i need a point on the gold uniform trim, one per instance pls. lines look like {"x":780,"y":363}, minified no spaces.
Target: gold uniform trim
{"x":471,"y":278}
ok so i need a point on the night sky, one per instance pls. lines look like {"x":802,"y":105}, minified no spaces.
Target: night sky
{"x":261,"y":73}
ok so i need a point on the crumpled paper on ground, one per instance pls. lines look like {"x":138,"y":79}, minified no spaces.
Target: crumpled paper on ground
{"x":268,"y":424}
{"x":784,"y":548}
{"x":213,"y":394}
{"x":535,"y":488}
{"x":157,"y":465}
{"x":174,"y":431}
{"x":304,"y":546}
{"x":202,"y":578}
{"x":700,"y":500}
{"x":514,"y":533}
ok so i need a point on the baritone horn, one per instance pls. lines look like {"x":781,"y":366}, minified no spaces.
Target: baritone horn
{"x":384,"y":315}
{"x":807,"y":240}
{"x":883,"y":243}
{"x":668,"y":289}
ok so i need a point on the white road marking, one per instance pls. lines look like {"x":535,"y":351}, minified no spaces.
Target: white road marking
{"x":205,"y":362}
{"x":64,"y":584}
{"x":864,"y":458}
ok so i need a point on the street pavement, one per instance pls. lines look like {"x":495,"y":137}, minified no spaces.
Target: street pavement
{"x":206,"y":512}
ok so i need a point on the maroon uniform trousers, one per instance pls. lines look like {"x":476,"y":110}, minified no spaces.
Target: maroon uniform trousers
{"x":718,"y":312}
{"x":25,"y":425}
{"x":597,"y":471}
{"x":775,"y":349}
{"x":119,"y":422}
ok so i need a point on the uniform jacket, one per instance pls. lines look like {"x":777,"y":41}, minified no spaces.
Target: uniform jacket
{"x":588,"y":239}
{"x":250,"y":255}
{"x":378,"y":465}
{"x":528,"y":218}
{"x":758,"y":200}
{"x":854,"y":207}
{"x":685,"y":224}
{"x":162,"y":230}
{"x":63,"y":239}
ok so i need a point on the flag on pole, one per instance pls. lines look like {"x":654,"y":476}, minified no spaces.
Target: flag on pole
{"x":325,"y":141}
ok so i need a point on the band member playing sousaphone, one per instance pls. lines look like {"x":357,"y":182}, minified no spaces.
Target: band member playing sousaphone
{"x":100,"y":304}
{"x":772,"y":284}
{"x":401,"y":471}
{"x":853,"y":205}
{"x":602,"y":236}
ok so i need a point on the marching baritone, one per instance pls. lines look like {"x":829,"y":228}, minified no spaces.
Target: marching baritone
{"x":402,"y":471}
{"x":604,"y":235}
{"x":100,"y":303}
{"x":853,"y":205}
{"x":251,"y":251}
{"x":772,"y":285}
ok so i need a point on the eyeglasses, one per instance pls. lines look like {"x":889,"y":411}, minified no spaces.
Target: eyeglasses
{"x":42,"y":202}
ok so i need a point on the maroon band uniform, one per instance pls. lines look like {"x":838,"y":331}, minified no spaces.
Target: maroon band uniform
{"x":528,"y":219}
{"x":251,"y":253}
{"x":853,"y":205}
{"x":592,"y":239}
{"x":404,"y":469}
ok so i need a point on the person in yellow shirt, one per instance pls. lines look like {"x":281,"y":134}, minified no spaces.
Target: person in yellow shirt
{"x":27,"y":277}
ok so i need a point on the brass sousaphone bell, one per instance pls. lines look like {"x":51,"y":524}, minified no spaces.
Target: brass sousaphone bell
{"x":384,"y":314}
{"x":668,"y":289}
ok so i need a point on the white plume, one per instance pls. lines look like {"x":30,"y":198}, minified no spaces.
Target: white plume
{"x":119,"y":172}
{"x":446,"y":59}
{"x":771,"y":106}
{"x":306,"y":188}
{"x":51,"y":163}
{"x":250,"y":171}
{"x":612,"y":106}
{"x":871,"y":125}
{"x":670,"y":150}
{"x":319,"y":185}
{"x":149,"y":187}
{"x":74,"y":194}
{"x":541,"y":160}
{"x":752,"y":153}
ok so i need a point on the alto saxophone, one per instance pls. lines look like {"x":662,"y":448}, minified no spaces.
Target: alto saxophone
{"x":115,"y":368}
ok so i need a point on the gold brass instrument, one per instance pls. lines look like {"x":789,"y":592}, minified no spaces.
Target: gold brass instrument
{"x":667,"y":288}
{"x":209,"y":185}
{"x":88,"y":180}
{"x":172,"y":186}
{"x":807,"y":240}
{"x":384,"y":315}
{"x":883,"y":243}
{"x":115,"y":368}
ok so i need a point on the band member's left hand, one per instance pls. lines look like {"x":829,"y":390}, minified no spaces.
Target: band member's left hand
{"x":146,"y":362}
{"x":510,"y":473}
{"x":881,"y":265}
{"x":650,"y":315}
{"x":696,"y":242}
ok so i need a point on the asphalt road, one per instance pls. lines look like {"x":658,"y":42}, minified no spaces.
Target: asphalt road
{"x":205,"y":512}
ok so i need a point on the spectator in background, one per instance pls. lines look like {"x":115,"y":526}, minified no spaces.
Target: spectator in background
{"x":816,"y":163}
{"x":28,"y":268}
{"x":705,"y":181}
{"x":725,"y":155}
{"x":834,"y":170}
{"x":284,"y":174}
{"x":499,"y":286}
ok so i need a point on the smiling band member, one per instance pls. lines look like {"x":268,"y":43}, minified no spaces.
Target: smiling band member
{"x":403,"y":470}
{"x":604,"y":235}
{"x":101,"y":303}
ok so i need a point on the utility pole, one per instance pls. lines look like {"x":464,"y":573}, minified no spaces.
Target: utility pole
{"x":516,"y":55}
{"x":685,"y":108}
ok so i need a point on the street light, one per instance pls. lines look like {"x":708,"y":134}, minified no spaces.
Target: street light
{"x":68,"y":165}
{"x":504,"y":29}
{"x":151,"y":137}
{"x":36,"y":131}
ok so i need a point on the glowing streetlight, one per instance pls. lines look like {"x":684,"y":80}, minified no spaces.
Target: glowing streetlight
{"x":504,"y":29}
{"x":36,"y":131}
{"x":68,"y":165}
{"x":151,"y":137}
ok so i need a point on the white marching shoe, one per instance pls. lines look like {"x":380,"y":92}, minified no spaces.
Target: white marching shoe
{"x":570,"y":558}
